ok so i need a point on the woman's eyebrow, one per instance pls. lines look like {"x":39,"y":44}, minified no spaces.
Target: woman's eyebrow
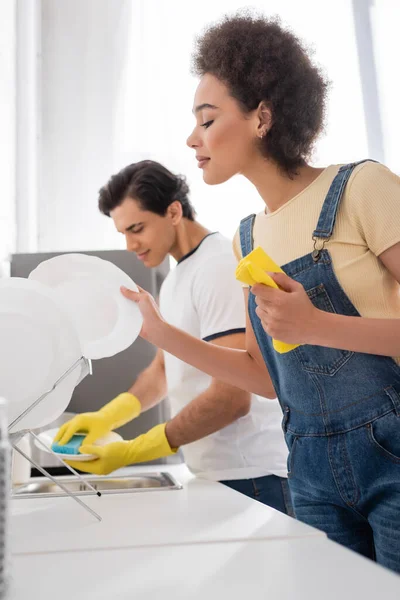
{"x":203,"y":106}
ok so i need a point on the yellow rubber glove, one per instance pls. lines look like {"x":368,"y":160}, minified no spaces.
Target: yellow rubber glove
{"x":116,"y":413}
{"x":149,"y":446}
{"x":251,"y":270}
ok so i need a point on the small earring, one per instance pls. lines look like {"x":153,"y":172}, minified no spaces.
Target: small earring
{"x":263,"y":133}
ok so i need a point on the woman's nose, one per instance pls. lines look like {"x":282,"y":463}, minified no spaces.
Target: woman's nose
{"x":192,"y":142}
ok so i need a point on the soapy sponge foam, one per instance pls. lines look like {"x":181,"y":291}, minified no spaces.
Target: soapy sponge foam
{"x":71,"y":447}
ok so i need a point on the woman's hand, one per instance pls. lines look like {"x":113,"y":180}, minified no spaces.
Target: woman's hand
{"x":287,"y":314}
{"x":153,"y":323}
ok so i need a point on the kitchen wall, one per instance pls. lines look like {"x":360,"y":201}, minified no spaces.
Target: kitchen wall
{"x":7,"y":129}
{"x":101,"y":83}
{"x":83,"y":48}
{"x":385,"y":24}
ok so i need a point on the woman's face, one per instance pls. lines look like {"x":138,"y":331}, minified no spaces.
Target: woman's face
{"x":224,"y":136}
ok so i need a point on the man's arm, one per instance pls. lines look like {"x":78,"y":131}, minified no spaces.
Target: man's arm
{"x":151,"y":387}
{"x":218,"y":406}
{"x":148,"y":390}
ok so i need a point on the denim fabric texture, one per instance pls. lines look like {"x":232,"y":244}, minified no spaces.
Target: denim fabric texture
{"x":341,"y":412}
{"x":271,"y":490}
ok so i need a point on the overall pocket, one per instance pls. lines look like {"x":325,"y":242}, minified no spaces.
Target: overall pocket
{"x":318,"y":359}
{"x":384,"y":435}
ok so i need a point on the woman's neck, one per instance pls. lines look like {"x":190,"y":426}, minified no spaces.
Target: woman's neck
{"x":275,"y":187}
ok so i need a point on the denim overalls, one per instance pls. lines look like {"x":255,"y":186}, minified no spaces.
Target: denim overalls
{"x":341,"y":412}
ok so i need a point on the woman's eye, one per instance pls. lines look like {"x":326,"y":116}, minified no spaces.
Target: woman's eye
{"x":207,"y":124}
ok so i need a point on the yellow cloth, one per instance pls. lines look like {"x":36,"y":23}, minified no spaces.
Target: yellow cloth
{"x":251,"y":270}
{"x":367,"y":224}
{"x":149,"y":446}
{"x":121,"y":410}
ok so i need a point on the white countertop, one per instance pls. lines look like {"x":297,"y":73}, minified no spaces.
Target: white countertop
{"x":204,"y":511}
{"x":205,"y":541}
{"x":290,"y":569}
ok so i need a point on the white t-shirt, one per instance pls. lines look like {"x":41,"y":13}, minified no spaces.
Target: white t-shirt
{"x":202,"y":297}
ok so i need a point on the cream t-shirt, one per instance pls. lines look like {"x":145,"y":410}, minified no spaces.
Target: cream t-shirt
{"x":367,"y":224}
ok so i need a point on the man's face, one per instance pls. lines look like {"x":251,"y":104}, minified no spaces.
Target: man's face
{"x":149,"y":235}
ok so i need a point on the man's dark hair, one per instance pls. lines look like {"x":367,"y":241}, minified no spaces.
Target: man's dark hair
{"x":258,"y":60}
{"x":149,"y":183}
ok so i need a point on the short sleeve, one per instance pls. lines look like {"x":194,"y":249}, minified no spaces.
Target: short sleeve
{"x":237,"y":251}
{"x":375,"y":201}
{"x":218,"y":299}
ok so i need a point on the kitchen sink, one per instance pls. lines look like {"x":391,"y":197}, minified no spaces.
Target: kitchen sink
{"x":127,"y":484}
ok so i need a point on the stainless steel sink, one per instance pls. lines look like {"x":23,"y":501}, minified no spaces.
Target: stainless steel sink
{"x":128,"y":484}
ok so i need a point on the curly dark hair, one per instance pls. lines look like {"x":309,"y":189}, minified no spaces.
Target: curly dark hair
{"x":149,"y":182}
{"x":259,"y":60}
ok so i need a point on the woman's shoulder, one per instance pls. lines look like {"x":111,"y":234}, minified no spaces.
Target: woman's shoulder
{"x":371,"y":173}
{"x":371,"y":202}
{"x":236,"y":244}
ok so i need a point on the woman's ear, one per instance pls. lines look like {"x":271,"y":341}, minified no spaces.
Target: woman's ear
{"x":174,"y":212}
{"x":264,"y":119}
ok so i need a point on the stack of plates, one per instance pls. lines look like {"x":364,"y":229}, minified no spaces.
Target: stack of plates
{"x":71,"y":306}
{"x":38,"y":343}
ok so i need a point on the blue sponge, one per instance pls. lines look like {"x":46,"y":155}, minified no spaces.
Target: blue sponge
{"x":71,"y":447}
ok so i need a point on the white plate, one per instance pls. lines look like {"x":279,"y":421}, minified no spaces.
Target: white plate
{"x":88,"y":287}
{"x":38,"y":343}
{"x":47,"y":437}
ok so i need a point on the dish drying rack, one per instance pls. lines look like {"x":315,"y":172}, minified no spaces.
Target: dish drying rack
{"x":86,"y":369}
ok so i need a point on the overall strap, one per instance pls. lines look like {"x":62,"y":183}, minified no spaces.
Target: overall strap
{"x":327,"y":217}
{"x":246,"y":234}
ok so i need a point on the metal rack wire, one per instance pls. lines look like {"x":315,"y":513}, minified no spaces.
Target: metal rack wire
{"x":86,"y":369}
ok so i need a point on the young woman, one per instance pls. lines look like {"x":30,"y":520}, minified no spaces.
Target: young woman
{"x":335,"y":232}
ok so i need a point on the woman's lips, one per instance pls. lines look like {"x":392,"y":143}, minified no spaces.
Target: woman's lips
{"x":202,"y":161}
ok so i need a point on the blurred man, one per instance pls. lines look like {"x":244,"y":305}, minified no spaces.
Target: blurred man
{"x":225,"y":433}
